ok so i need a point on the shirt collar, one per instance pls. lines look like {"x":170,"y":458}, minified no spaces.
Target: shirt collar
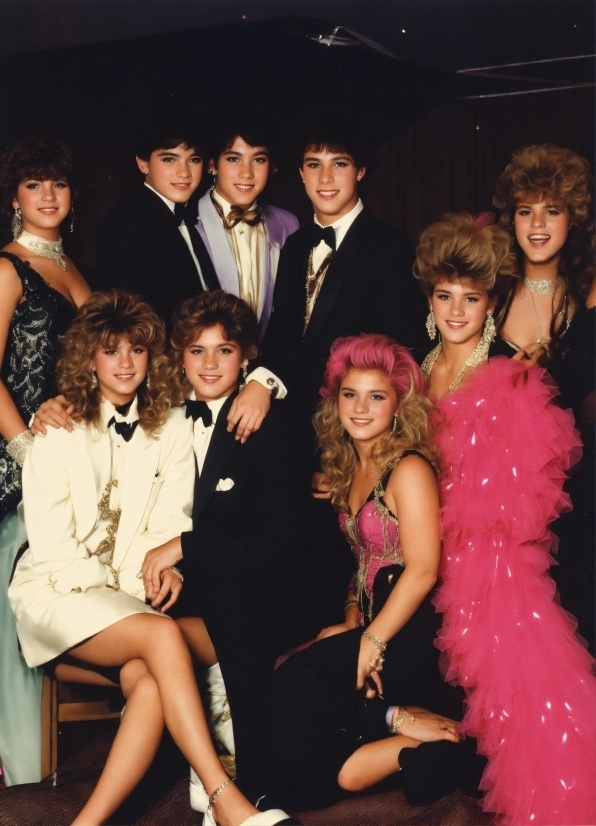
{"x":170,"y":204}
{"x":343,"y":224}
{"x":225,"y":205}
{"x":214,"y":406}
{"x":108,"y":410}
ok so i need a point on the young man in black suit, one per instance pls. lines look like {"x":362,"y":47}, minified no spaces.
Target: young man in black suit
{"x":150,"y":245}
{"x":343,"y":275}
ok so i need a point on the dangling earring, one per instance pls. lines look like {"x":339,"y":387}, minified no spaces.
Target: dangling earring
{"x":72,"y":218}
{"x":431,"y":327}
{"x":148,"y":380}
{"x":16,"y":224}
{"x":489,"y":332}
{"x":244,"y":375}
{"x":395,"y":421}
{"x":93,"y":378}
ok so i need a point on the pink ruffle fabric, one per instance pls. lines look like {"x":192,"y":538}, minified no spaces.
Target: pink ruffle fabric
{"x":531,"y":690}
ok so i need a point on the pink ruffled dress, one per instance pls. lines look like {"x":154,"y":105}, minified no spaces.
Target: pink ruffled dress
{"x":531,"y":690}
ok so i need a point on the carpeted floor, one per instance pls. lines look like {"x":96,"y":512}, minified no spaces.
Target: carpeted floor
{"x":162,"y":799}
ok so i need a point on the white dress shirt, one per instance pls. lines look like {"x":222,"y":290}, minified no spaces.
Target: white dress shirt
{"x":184,"y":233}
{"x":202,"y":434}
{"x":341,"y":226}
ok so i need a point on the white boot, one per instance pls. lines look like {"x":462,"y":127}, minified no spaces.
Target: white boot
{"x":199,"y":799}
{"x":221,"y":717}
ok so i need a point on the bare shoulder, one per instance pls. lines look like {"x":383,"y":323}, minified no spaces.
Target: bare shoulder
{"x":11,"y":288}
{"x":411,"y":475}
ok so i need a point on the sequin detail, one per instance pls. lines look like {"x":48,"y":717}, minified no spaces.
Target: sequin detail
{"x":29,"y":361}
{"x":108,"y":545}
{"x":373,"y":548}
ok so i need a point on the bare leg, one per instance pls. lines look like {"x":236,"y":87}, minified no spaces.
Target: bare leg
{"x":159,"y":643}
{"x":373,"y":762}
{"x":198,"y":640}
{"x":134,"y":747}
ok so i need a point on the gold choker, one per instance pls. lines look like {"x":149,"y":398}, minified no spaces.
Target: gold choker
{"x":545,"y":287}
{"x":43,"y":247}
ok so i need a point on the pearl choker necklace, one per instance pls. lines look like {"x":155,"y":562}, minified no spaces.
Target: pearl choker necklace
{"x":546,"y":287}
{"x":43,"y":247}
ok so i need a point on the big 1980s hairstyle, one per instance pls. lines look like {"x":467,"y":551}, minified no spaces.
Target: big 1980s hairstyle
{"x":104,"y":319}
{"x":414,"y":429}
{"x":548,"y":172}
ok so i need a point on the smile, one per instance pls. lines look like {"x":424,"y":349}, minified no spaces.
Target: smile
{"x":327,"y":193}
{"x":456,"y":325}
{"x":124,"y":376}
{"x":244,"y":187}
{"x":361,"y":422}
{"x":210,"y":379}
{"x":539,"y":240}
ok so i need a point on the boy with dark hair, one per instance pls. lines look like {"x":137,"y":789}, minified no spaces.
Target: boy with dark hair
{"x":243,"y":237}
{"x":150,"y":245}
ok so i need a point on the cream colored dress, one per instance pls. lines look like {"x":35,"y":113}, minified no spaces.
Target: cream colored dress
{"x":62,"y":594}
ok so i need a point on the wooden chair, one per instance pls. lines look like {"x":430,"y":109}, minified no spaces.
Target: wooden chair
{"x":67,"y":701}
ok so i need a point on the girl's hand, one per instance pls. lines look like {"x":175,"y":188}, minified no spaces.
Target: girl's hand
{"x":248,"y":410}
{"x":55,"y":413}
{"x":320,"y":486}
{"x":170,"y":584}
{"x":156,"y":562}
{"x":332,"y":630}
{"x":428,"y":726}
{"x":368,"y":669}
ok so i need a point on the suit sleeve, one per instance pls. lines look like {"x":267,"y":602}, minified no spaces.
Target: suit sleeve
{"x":50,"y":517}
{"x":397,"y":307}
{"x":125,"y":256}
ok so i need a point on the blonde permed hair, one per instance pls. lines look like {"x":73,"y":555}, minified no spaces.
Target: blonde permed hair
{"x":416,"y":411}
{"x":460,"y":247}
{"x":101,"y":322}
{"x":542,"y":172}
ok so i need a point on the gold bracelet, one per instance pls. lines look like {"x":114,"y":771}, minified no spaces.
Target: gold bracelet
{"x":18,"y":447}
{"x":213,"y":797}
{"x":177,"y":572}
{"x":396,"y":725}
{"x":376,"y":641}
{"x":349,"y":602}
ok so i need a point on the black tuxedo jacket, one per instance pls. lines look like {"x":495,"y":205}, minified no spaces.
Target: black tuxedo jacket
{"x":140,"y":248}
{"x":369,"y":288}
{"x":255,"y":527}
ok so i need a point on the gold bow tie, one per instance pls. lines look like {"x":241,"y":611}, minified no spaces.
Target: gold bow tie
{"x":252,"y":217}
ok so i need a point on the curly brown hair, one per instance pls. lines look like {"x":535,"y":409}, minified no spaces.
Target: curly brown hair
{"x":542,"y":172}
{"x":40,"y":157}
{"x":416,"y":411}
{"x":210,"y":309}
{"x":102,"y":321}
{"x":460,"y":247}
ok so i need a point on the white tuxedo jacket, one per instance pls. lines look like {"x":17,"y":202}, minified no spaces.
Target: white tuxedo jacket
{"x":58,"y":593}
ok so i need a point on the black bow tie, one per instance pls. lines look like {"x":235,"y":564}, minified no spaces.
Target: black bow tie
{"x":186,"y":212}
{"x":316,"y":234}
{"x":199,"y":410}
{"x":123,"y":428}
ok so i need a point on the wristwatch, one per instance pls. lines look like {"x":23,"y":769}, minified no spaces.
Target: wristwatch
{"x":273,"y":385}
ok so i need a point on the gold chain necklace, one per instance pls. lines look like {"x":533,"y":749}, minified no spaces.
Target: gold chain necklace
{"x":477,"y":357}
{"x":112,"y":517}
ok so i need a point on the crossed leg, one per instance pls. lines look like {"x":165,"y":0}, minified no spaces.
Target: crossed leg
{"x":159,"y":681}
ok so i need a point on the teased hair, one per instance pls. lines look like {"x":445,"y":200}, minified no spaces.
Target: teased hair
{"x":458,"y":247}
{"x":41,"y":157}
{"x":414,"y":431}
{"x":102,"y":321}
{"x":541,"y":172}
{"x":206,"y":310}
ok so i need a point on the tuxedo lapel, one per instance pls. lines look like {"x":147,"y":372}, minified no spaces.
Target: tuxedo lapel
{"x":211,"y":230}
{"x":339,"y":267}
{"x":220,"y":449}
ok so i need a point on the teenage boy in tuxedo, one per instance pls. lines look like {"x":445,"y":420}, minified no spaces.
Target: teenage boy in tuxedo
{"x":149,"y":245}
{"x":244,"y":237}
{"x":344,"y":274}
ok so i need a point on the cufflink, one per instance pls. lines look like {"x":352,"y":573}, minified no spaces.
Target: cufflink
{"x":273,"y":386}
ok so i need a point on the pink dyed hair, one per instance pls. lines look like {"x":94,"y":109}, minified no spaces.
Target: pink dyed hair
{"x":370,"y":351}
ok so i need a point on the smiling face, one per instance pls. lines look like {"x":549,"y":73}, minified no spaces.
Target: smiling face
{"x":331,"y":181}
{"x":120,"y":370}
{"x":173,"y":173}
{"x":44,"y":205}
{"x":242,"y":172}
{"x":541,"y":230}
{"x":366,"y":405}
{"x":460,"y":308}
{"x":212,"y":364}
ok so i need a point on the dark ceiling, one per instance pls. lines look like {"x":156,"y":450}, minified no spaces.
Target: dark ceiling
{"x":447,"y":34}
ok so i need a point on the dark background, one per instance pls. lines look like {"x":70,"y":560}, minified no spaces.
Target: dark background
{"x":86,"y":68}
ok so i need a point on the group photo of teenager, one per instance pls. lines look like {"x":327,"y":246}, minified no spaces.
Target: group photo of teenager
{"x":297,"y":416}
